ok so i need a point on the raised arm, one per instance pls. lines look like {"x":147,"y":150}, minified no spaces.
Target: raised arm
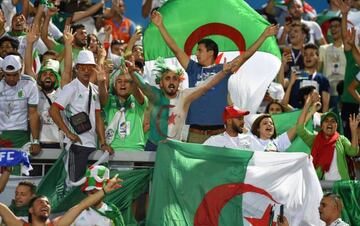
{"x":91,"y":200}
{"x":146,"y":7}
{"x":280,"y":78}
{"x":140,"y":82}
{"x":9,"y":217}
{"x":50,"y":43}
{"x":157,"y":20}
{"x":291,"y":83}
{"x":353,"y":89}
{"x":131,"y":43}
{"x":68,"y":40}
{"x":103,"y":89}
{"x":268,"y":32}
{"x":89,"y":12}
{"x":135,"y":90}
{"x":350,"y":40}
{"x":344,"y":8}
{"x":354,"y":123}
{"x":31,"y":37}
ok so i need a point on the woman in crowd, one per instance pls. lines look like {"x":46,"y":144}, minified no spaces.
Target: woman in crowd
{"x":328,"y":147}
{"x":264,"y":138}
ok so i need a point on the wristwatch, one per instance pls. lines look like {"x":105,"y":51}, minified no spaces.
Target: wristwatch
{"x":35,"y":141}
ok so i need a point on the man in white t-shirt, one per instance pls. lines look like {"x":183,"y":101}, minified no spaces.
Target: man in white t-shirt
{"x":80,"y":100}
{"x":101,"y":213}
{"x":233,"y":136}
{"x":332,"y":61}
{"x":18,"y":102}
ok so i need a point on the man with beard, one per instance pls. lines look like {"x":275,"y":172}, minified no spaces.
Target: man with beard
{"x":101,"y":213}
{"x":40,"y":209}
{"x":19,"y":98}
{"x":124,"y":107}
{"x":8,"y":45}
{"x":169,"y":104}
{"x":80,"y":101}
{"x":205,"y":123}
{"x":79,"y":41}
{"x":234,"y":136}
{"x":49,"y":81}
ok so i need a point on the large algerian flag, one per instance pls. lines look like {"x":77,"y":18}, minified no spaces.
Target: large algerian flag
{"x":234,"y":26}
{"x":53,"y":185}
{"x":201,"y":185}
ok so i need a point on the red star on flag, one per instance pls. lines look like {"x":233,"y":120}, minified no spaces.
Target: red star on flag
{"x":264,"y":220}
{"x":171,"y":119}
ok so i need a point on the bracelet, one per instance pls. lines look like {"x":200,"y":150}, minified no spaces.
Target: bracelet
{"x":105,"y":193}
{"x":35,"y":141}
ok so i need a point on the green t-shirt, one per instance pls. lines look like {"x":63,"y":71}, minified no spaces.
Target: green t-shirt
{"x":134,"y":116}
{"x":350,"y":74}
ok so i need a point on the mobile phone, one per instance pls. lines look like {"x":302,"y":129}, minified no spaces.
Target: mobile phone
{"x":281,"y":219}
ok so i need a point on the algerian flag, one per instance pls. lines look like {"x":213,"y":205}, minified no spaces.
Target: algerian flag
{"x":53,"y":185}
{"x":201,"y":185}
{"x":283,"y":122}
{"x":234,"y":26}
{"x":349,"y":191}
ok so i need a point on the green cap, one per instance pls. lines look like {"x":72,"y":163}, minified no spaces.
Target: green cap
{"x":329,"y":114}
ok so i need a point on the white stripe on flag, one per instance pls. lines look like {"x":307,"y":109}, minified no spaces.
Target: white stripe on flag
{"x":291,"y":180}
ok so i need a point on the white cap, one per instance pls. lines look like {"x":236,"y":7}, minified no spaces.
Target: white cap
{"x":85,"y":57}
{"x":11,"y":63}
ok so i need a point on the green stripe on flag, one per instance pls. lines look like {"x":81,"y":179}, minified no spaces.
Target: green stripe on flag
{"x":221,"y":20}
{"x":285,"y":121}
{"x":185,"y":173}
{"x":349,"y":192}
{"x":135,"y":183}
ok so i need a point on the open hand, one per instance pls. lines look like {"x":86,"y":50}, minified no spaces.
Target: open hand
{"x":271,"y":30}
{"x":113,"y":184}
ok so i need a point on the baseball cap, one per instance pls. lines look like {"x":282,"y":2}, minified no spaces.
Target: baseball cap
{"x":96,"y":177}
{"x":233,"y":112}
{"x":85,"y":57}
{"x":329,"y":114}
{"x":11,"y":63}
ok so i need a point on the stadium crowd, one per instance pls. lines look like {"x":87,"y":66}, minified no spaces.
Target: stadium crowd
{"x":73,"y":72}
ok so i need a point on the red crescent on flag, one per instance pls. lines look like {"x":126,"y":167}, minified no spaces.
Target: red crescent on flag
{"x":214,"y":29}
{"x":209,"y":210}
